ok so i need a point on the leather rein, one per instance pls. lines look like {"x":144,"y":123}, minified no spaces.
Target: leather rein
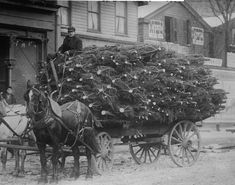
{"x":48,"y":116}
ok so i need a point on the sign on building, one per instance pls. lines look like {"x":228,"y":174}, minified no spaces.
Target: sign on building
{"x":198,"y":36}
{"x":156,"y":29}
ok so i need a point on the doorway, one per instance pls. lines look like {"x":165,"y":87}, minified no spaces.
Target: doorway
{"x":4,"y":54}
{"x":28,"y":56}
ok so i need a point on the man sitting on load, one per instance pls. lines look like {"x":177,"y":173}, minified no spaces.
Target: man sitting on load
{"x":72,"y":44}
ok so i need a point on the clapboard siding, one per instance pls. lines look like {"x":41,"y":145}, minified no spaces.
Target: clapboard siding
{"x":132,"y":19}
{"x":181,"y":14}
{"x":79,"y":19}
{"x":79,"y":15}
{"x":29,"y":18}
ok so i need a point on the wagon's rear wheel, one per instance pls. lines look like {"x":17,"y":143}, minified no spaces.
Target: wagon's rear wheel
{"x":184,"y":143}
{"x":145,"y":152}
{"x":105,"y":159}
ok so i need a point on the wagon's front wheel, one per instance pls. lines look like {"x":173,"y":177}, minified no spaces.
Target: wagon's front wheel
{"x":105,"y":159}
{"x":145,"y":151}
{"x":184,"y":143}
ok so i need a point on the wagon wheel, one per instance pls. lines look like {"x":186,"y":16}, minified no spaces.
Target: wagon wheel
{"x":184,"y":143}
{"x":105,"y":159}
{"x":143,"y":152}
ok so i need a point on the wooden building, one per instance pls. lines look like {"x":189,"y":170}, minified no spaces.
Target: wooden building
{"x":30,"y":29}
{"x":100,"y":23}
{"x":27,"y":33}
{"x":175,"y":26}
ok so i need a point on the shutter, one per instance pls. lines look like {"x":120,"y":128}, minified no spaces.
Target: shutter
{"x":175,"y":40}
{"x":189,"y":35}
{"x":172,"y":30}
{"x":185,"y":32}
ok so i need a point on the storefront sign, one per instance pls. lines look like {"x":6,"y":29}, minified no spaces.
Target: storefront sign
{"x":198,"y":36}
{"x":156,"y":29}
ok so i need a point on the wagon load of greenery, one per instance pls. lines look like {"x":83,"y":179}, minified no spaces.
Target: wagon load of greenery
{"x":136,"y":83}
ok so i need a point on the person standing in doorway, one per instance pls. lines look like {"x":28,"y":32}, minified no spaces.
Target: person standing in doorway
{"x":9,"y":97}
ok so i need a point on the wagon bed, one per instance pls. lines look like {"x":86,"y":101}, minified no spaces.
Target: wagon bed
{"x":181,"y":140}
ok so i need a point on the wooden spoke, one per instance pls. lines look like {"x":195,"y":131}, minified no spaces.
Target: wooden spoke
{"x":105,"y":159}
{"x":178,"y":134}
{"x":181,"y":132}
{"x":138,"y":151}
{"x":145,"y":153}
{"x":189,"y":147}
{"x":154,"y":155}
{"x":175,"y":139}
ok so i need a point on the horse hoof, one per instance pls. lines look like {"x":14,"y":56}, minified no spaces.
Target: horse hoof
{"x":74,"y":175}
{"x":54,"y":181}
{"x":15,"y":173}
{"x":3,"y":172}
{"x":89,"y":176}
{"x":42,"y":180}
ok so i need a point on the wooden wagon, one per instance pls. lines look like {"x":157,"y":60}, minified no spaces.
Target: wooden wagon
{"x":181,"y":140}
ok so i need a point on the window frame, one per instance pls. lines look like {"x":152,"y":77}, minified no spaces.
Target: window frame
{"x":98,"y":17}
{"x":67,"y":6}
{"x":125,"y":33}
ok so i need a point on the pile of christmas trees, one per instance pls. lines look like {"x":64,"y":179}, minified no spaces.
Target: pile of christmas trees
{"x":137,"y":83}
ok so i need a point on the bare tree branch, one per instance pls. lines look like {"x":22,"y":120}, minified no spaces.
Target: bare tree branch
{"x":215,"y":11}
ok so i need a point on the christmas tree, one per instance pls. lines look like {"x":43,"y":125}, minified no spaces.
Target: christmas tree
{"x":135,"y":83}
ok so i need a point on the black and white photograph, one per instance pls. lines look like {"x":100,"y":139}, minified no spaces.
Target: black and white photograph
{"x":108,"y":92}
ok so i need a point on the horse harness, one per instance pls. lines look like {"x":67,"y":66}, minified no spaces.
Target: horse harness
{"x":50,"y":116}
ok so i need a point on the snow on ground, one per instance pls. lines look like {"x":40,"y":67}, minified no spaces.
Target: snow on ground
{"x":214,"y":167}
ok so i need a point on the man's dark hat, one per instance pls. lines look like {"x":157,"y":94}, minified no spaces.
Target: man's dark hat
{"x":71,"y":29}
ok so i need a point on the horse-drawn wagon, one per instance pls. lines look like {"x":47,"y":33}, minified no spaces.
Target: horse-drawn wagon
{"x":181,"y":140}
{"x":145,"y":96}
{"x":146,"y":141}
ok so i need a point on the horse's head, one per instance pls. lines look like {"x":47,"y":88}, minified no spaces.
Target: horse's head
{"x":36,"y":100}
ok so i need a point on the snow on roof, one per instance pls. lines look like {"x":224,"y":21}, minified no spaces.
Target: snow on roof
{"x":143,"y":11}
{"x":215,"y":21}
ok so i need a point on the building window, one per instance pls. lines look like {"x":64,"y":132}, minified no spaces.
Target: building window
{"x":94,"y":15}
{"x":233,"y":36}
{"x":64,"y":12}
{"x":170,"y":29}
{"x":121,"y":17}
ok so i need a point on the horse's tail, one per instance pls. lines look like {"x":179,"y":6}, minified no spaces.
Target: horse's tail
{"x":90,"y":140}
{"x":92,"y":119}
{"x":96,"y":122}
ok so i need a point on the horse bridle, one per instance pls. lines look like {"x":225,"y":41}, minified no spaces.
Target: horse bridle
{"x":46,"y":112}
{"x":37,"y":105}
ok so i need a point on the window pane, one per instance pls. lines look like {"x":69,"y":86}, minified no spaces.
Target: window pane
{"x":120,"y":8}
{"x":120,"y":25}
{"x":93,"y":6}
{"x":93,"y":21}
{"x":64,"y":16}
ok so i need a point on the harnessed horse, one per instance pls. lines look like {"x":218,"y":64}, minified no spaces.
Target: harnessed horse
{"x":13,"y":123}
{"x":73,"y":126}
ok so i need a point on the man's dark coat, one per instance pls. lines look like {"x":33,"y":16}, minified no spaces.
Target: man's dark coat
{"x":71,"y":43}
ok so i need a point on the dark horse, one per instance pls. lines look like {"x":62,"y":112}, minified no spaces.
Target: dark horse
{"x":74,"y":127}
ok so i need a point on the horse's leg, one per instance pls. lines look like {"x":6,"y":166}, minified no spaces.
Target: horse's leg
{"x":76,"y":168}
{"x":22,"y":159}
{"x":17,"y":162}
{"x":55,"y":158}
{"x":4,"y":159}
{"x":90,"y":140}
{"x":43,"y":161}
{"x":89,"y":173}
